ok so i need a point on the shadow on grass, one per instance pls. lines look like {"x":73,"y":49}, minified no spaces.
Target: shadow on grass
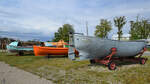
{"x":16,"y":54}
{"x":6,"y":53}
{"x":118,"y":63}
{"x":55,"y":56}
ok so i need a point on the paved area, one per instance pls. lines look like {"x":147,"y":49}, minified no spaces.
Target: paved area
{"x":13,"y":75}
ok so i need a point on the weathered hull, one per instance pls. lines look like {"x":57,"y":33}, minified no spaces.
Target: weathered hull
{"x":11,"y":48}
{"x":93,"y":47}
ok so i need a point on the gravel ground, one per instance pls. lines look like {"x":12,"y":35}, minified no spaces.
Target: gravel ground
{"x":147,"y":53}
{"x":13,"y":75}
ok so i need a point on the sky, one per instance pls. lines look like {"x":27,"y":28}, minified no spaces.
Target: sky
{"x":39,"y":19}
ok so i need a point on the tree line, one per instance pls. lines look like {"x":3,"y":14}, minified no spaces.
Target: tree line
{"x":139,"y":29}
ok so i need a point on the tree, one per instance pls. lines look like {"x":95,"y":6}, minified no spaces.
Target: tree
{"x":63,"y":33}
{"x":133,"y":30}
{"x":103,"y":28}
{"x":120,"y":22}
{"x":140,"y":29}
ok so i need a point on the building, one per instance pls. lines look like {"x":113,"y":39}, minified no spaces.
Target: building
{"x":124,"y":37}
{"x":148,"y":40}
{"x":4,"y":41}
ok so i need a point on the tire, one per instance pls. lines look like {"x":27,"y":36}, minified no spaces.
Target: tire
{"x":92,"y":61}
{"x":142,"y":61}
{"x":111,"y":65}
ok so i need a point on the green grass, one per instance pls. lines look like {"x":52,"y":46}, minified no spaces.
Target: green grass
{"x":64,"y":71}
{"x":148,"y":49}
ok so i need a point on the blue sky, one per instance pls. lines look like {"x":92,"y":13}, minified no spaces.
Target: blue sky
{"x":39,"y":19}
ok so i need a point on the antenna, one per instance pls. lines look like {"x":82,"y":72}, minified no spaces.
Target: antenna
{"x":87,"y":27}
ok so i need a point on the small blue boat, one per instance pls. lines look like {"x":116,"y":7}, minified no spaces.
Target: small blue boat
{"x":16,"y":47}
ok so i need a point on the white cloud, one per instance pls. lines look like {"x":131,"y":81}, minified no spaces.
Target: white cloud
{"x":46,"y":16}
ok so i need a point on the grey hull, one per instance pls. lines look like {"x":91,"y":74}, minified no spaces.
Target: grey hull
{"x":93,"y":47}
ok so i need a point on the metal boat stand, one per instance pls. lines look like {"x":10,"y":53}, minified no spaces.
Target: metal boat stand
{"x":109,"y":60}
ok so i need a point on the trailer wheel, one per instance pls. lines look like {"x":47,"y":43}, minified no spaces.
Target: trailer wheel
{"x":92,"y":61}
{"x":111,"y":65}
{"x":142,"y":61}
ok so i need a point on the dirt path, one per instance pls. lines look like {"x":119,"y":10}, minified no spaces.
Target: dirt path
{"x":12,"y":75}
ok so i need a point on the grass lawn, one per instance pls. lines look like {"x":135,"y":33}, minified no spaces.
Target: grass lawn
{"x":64,"y":71}
{"x":148,"y":49}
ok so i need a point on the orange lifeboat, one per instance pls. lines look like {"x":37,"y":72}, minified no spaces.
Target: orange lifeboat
{"x":58,"y":50}
{"x":44,"y":51}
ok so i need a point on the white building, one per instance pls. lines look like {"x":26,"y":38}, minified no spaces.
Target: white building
{"x":124,"y":37}
{"x":148,"y":41}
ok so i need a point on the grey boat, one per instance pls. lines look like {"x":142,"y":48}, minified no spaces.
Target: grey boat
{"x":93,"y":47}
{"x":98,"y":48}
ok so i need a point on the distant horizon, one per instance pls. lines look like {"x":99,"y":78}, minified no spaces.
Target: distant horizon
{"x":18,"y":36}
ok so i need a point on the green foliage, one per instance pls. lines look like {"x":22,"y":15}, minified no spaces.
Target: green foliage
{"x":120,"y":22}
{"x":103,"y":28}
{"x":148,"y":49}
{"x":140,"y":29}
{"x":63,"y":33}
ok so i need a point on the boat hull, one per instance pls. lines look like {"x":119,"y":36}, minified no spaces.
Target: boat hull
{"x":45,"y":51}
{"x":11,"y":48}
{"x":94,"y":47}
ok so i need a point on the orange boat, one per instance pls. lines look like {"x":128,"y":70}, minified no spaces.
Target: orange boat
{"x":45,"y":51}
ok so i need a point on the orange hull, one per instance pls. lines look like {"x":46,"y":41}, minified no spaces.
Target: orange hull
{"x":44,"y":51}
